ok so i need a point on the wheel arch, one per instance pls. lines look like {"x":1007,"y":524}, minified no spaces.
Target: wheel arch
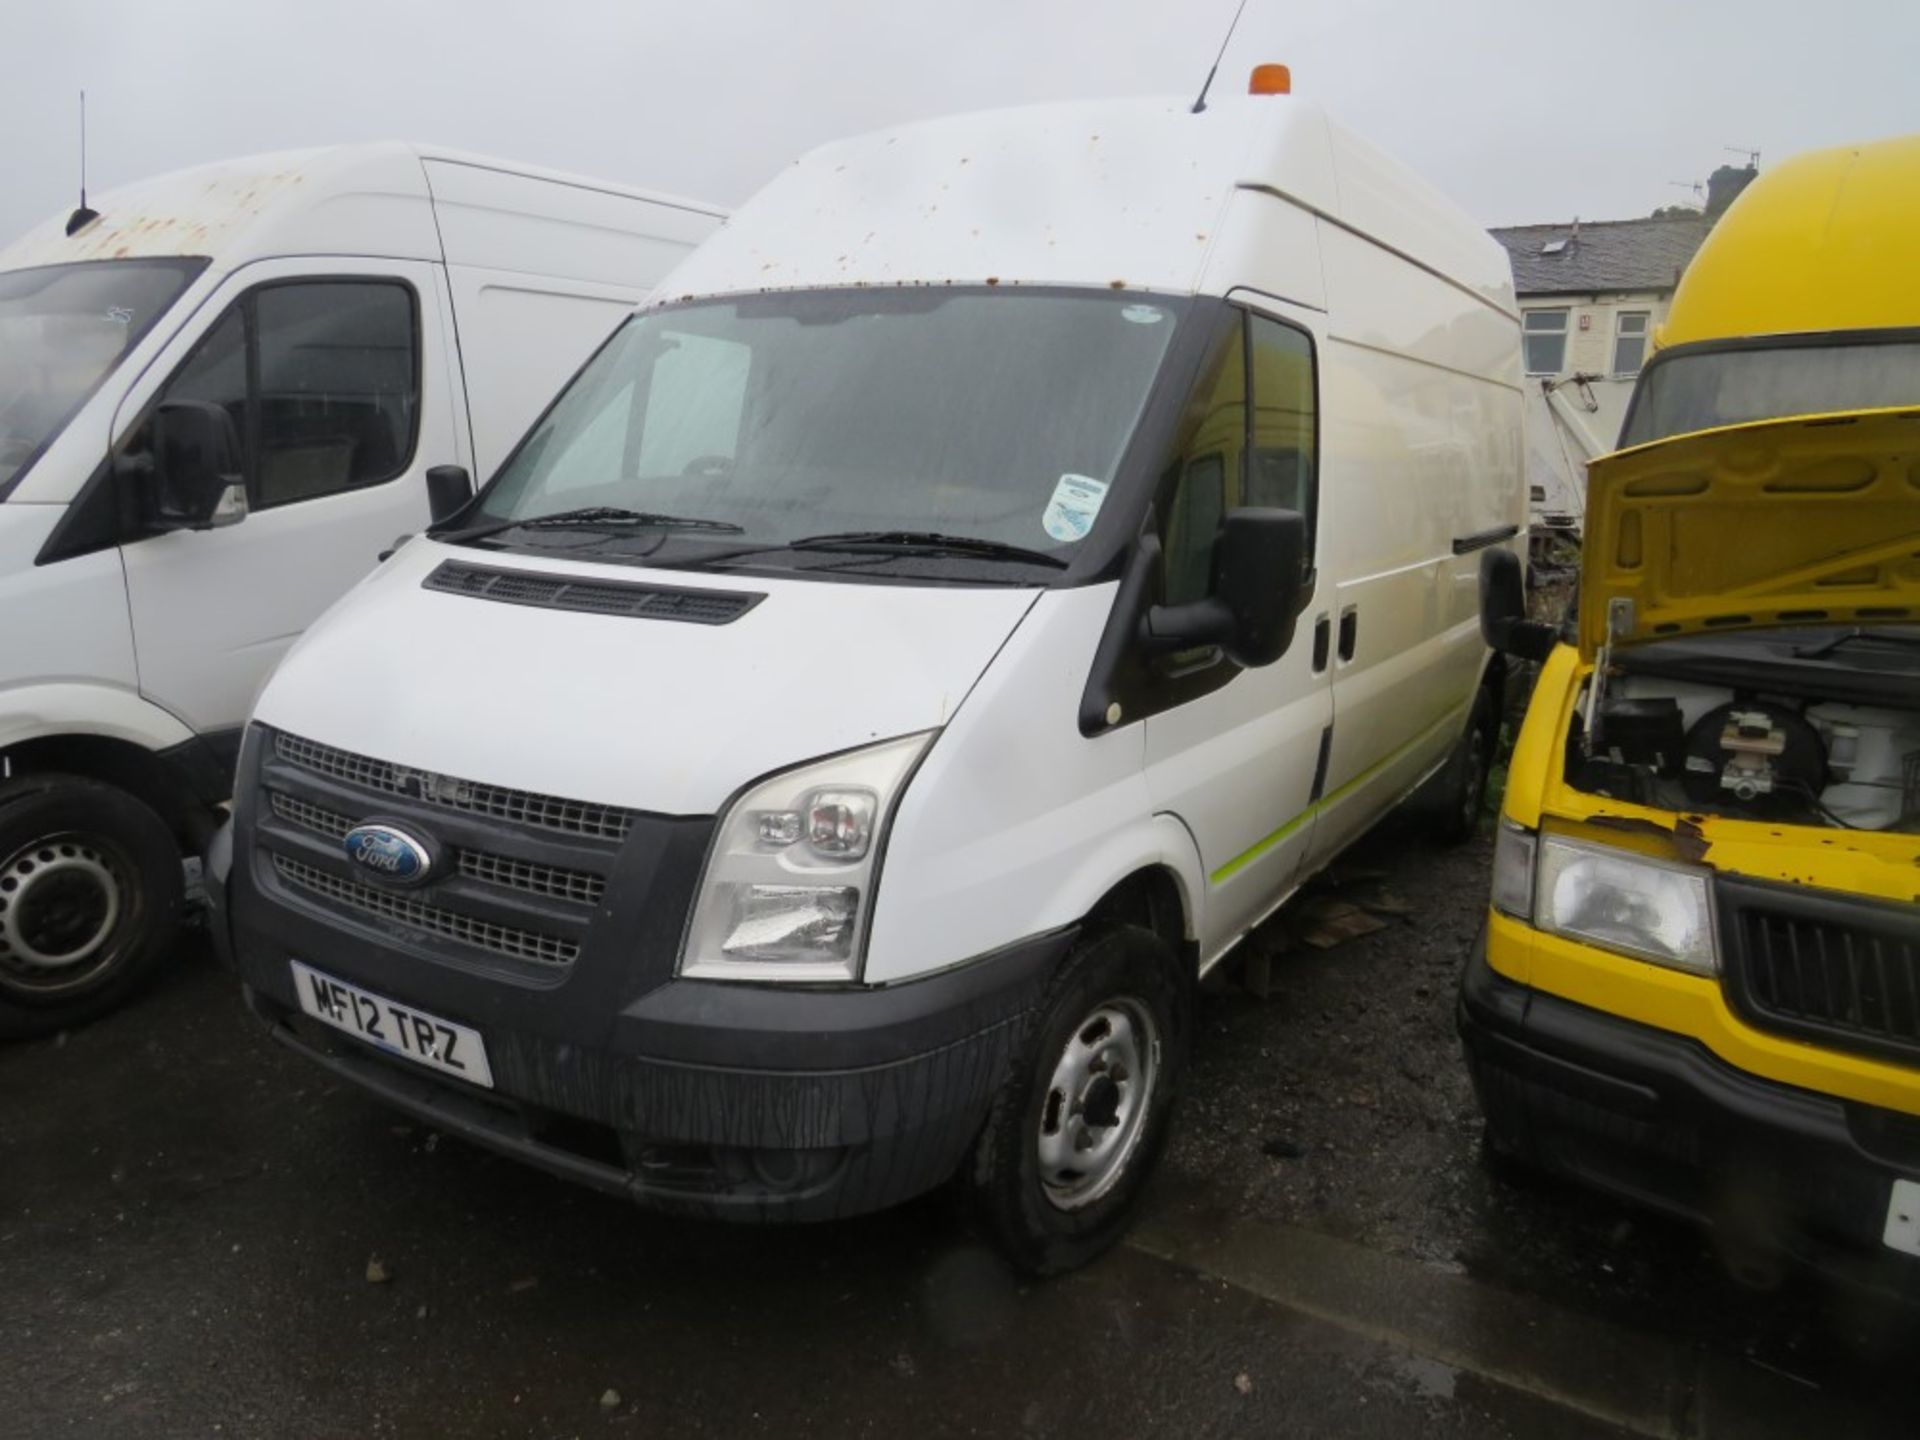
{"x":166,"y":783}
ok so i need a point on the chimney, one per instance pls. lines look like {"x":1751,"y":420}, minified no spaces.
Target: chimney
{"x":1724,"y":187}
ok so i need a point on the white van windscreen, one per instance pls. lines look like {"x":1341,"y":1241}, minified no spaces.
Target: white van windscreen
{"x":63,"y":329}
{"x":990,"y":416}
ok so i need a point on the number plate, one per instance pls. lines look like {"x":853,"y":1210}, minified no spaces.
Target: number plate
{"x":1903,"y":1217}
{"x":397,"y":1029}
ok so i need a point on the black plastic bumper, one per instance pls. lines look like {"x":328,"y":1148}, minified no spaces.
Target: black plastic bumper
{"x":1777,"y":1173}
{"x":757,"y":1103}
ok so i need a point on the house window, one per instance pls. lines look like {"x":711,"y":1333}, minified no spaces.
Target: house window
{"x":1546,"y":341}
{"x":1630,"y":341}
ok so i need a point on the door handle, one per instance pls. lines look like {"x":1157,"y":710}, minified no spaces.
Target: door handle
{"x":1349,"y":633}
{"x":1322,"y":642}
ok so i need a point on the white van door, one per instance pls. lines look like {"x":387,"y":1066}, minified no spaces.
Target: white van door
{"x":1421,"y":488}
{"x":335,"y":374}
{"x":1237,"y":755}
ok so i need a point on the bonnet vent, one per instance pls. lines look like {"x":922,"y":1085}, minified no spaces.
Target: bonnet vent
{"x":594,"y":597}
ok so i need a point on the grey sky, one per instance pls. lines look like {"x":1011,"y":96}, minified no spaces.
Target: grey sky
{"x":1522,"y":111}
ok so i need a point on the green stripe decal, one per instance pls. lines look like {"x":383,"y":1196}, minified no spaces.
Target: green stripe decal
{"x":1260,"y":847}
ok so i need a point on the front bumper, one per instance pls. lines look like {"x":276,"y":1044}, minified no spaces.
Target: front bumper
{"x":1775,"y":1172}
{"x":754,"y":1103}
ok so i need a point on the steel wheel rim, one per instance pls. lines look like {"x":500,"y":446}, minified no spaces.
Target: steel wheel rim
{"x":61,"y":899}
{"x":1094,"y":1108}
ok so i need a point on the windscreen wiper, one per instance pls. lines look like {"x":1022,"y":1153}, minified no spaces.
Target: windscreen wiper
{"x":1847,"y":637}
{"x":589,"y":517}
{"x":901,"y":542}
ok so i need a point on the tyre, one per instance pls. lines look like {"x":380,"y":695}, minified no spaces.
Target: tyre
{"x":90,"y":901}
{"x":1452,"y":806}
{"x":1082,"y":1115}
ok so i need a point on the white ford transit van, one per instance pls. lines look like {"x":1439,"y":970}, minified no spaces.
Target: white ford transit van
{"x":292,"y":341}
{"x":991,"y":574}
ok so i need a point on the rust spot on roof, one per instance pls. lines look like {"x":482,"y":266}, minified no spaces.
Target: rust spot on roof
{"x":1116,"y":284}
{"x":993,"y":279}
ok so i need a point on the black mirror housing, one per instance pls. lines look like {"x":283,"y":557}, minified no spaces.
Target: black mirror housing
{"x":449,"y":491}
{"x":1259,"y":571}
{"x":193,"y":470}
{"x":1503,"y":609}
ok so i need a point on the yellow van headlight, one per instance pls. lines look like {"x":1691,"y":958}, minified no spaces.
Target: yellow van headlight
{"x":1651,"y":909}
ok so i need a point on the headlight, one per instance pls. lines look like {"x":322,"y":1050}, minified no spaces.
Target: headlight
{"x":788,"y":887}
{"x":1651,"y":909}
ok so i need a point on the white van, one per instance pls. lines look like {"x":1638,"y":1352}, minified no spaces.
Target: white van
{"x":993,"y":573}
{"x":308,"y":343}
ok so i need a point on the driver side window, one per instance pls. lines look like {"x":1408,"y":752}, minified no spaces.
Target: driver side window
{"x":320,"y":379}
{"x":1209,"y":467}
{"x":1231,"y":455}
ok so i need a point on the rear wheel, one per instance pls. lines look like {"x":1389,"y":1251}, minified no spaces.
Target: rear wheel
{"x":1083,"y":1113}
{"x":1458,"y":793}
{"x":90,"y":901}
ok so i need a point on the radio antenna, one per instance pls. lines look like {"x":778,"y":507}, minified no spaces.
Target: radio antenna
{"x":1201,"y":103}
{"x":84,"y":216}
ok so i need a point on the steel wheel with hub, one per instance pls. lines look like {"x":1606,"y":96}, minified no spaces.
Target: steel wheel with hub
{"x":1097,"y":1102}
{"x":90,"y":900}
{"x":1078,"y":1124}
{"x":60,"y":898}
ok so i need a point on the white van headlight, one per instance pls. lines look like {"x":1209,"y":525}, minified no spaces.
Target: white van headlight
{"x":1651,"y":909}
{"x":788,"y":887}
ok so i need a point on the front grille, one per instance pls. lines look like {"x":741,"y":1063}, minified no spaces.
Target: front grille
{"x":530,"y":876}
{"x":561,"y":884}
{"x":549,"y":812}
{"x":296,"y":811}
{"x":595,"y":597}
{"x":1848,"y":976}
{"x":481,"y":934}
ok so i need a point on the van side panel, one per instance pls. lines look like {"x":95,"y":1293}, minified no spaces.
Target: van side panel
{"x":66,"y":633}
{"x":1269,"y":245}
{"x":1421,"y":458}
{"x":1016,"y":823}
{"x":541,"y":271}
{"x":521,"y":337}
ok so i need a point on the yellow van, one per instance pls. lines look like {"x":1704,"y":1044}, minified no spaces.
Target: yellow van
{"x":1700,"y":982}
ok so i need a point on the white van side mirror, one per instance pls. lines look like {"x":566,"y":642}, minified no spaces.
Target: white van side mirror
{"x":1259,"y":567}
{"x":190,"y":477}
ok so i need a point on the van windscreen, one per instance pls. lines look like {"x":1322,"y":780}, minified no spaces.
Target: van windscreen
{"x":63,"y":329}
{"x":1690,"y":389}
{"x":989,"y":415}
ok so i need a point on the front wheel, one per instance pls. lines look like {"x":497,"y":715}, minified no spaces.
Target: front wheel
{"x":91,"y":893}
{"x":1083,"y":1113}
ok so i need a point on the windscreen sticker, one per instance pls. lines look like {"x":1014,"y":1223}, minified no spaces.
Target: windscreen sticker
{"x":1076,"y":500}
{"x":1143,"y":314}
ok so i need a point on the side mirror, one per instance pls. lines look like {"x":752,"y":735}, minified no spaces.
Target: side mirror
{"x":449,"y":489}
{"x":195,"y":480}
{"x":1503,"y":609}
{"x":1259,"y":568}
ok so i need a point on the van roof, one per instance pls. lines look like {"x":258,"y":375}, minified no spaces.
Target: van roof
{"x":1822,"y":242}
{"x":366,"y":199}
{"x":1125,"y":193}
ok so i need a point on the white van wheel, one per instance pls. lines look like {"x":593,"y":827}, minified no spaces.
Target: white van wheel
{"x":91,"y":892}
{"x":1455,"y":797}
{"x":1078,"y":1124}
{"x":1097,"y":1102}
